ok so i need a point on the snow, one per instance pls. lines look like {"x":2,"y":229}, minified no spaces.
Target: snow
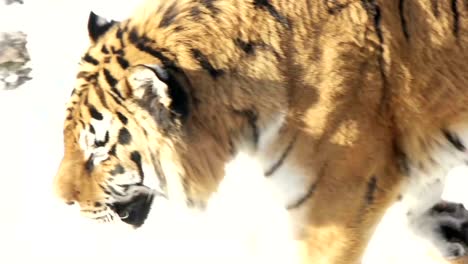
{"x":37,"y":228}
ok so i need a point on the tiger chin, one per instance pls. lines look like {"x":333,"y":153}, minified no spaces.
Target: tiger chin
{"x":349,"y":107}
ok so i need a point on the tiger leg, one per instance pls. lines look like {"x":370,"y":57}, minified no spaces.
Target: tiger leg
{"x":335,"y":224}
{"x":336,"y":202}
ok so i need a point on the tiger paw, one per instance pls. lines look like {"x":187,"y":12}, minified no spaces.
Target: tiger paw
{"x":451,"y":220}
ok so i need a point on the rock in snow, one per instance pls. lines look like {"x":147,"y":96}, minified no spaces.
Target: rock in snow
{"x":14,"y":58}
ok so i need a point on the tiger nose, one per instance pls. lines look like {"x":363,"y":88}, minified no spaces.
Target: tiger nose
{"x":67,"y":195}
{"x":70,"y":199}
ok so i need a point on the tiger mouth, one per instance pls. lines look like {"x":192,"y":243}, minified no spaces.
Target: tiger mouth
{"x":134,"y":210}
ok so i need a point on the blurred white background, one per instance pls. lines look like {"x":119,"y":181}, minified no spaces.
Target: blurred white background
{"x":35,"y":228}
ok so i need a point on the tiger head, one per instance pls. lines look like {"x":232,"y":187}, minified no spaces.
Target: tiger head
{"x":123,"y":127}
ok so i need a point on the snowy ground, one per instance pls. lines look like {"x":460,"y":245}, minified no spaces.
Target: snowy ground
{"x":35,"y":228}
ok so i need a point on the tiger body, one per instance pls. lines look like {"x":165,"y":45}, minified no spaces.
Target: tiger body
{"x":349,"y":106}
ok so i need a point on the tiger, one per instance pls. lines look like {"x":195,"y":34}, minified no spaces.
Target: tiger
{"x":349,"y":107}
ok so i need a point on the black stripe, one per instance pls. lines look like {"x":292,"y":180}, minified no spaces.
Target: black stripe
{"x":456,"y":18}
{"x":89,"y":165}
{"x":404,"y":23}
{"x":232,"y":147}
{"x":265,"y":4}
{"x":102,"y":143}
{"x":92,"y":77}
{"x":123,"y":62}
{"x":179,"y":28}
{"x":104,"y":189}
{"x":109,"y":78}
{"x":101,"y":96}
{"x":112,"y":82}
{"x":205,"y":63}
{"x":118,"y":99}
{"x":304,"y":198}
{"x":114,"y":50}
{"x":124,"y":137}
{"x":252,"y":121}
{"x":95,"y":113}
{"x":140,"y":44}
{"x":454,"y":140}
{"x":195,"y":12}
{"x":89,"y":77}
{"x":283,"y":157}
{"x":122,"y":118}
{"x":91,"y":129}
{"x":86,"y":99}
{"x":119,"y":36}
{"x":169,"y":16}
{"x":209,"y":4}
{"x":112,"y":151}
{"x":88,"y":58}
{"x":247,"y":47}
{"x":373,"y":10}
{"x":311,"y":189}
{"x":136,"y":157}
{"x":81,"y":75}
{"x":104,"y":49}
{"x":119,"y":33}
{"x":371,"y":188}
{"x":119,"y":169}
{"x":252,"y":118}
{"x":334,"y":7}
{"x":120,"y":52}
{"x":401,"y":159}
{"x":435,"y":7}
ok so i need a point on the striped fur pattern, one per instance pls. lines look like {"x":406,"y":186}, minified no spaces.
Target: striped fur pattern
{"x":349,"y":105}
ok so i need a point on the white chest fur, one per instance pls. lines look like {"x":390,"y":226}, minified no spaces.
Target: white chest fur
{"x":288,"y":182}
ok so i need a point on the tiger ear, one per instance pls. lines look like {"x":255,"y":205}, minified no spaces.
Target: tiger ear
{"x":157,"y":90}
{"x":98,"y":26}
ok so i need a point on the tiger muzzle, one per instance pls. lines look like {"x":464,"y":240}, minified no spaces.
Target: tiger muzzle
{"x":134,"y":209}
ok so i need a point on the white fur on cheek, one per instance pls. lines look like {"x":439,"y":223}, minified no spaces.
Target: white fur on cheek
{"x":288,"y":182}
{"x":151,"y":180}
{"x":87,"y":140}
{"x":100,"y":154}
{"x":102,"y":126}
{"x":83,"y":141}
